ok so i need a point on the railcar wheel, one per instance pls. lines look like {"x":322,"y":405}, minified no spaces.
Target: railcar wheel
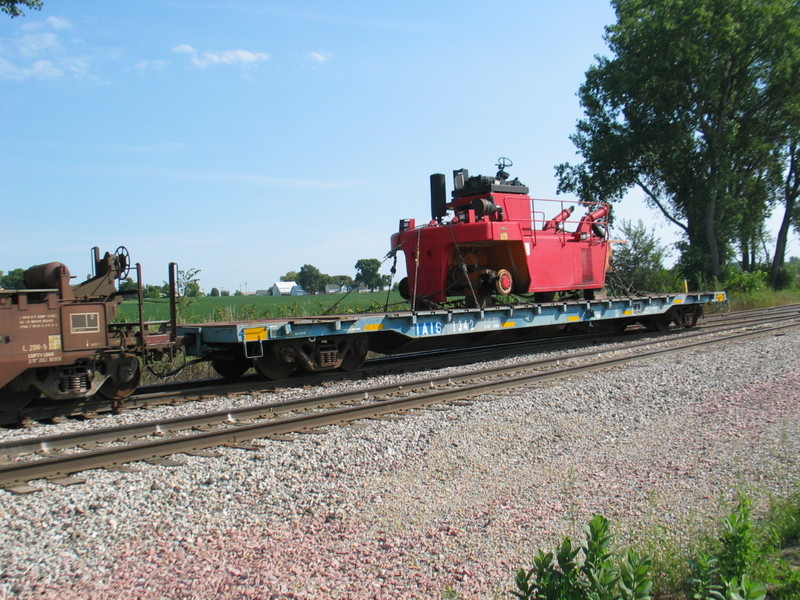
{"x":662,"y":322}
{"x":12,"y":401}
{"x":120,"y":388}
{"x":354,"y":355}
{"x":269,"y":368}
{"x":504,"y":282}
{"x":231,"y":368}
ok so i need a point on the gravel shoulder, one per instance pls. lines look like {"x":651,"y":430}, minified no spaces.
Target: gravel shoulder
{"x":457,"y":498}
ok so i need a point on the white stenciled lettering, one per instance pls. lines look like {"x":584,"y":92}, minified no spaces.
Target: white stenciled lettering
{"x":435,"y":328}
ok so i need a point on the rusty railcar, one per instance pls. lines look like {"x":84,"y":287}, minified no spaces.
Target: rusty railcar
{"x":60,"y":341}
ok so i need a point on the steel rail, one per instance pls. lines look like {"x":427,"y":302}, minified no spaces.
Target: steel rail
{"x":14,"y":476}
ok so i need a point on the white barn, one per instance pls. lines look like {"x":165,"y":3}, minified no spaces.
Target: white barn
{"x":287,"y":288}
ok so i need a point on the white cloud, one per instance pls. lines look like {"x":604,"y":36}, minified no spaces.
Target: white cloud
{"x":147,"y":65}
{"x":39,"y":53}
{"x":224,"y":57}
{"x":320,"y":57}
{"x":59,"y":22}
{"x":34,"y":44}
{"x":40,"y":69}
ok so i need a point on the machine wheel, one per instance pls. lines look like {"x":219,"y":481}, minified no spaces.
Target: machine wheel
{"x":504,"y":282}
{"x":269,"y":368}
{"x":402,"y":287}
{"x":123,"y":262}
{"x":116,"y":389}
{"x":232,"y":368}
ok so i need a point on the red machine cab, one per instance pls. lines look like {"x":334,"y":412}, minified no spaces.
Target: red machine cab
{"x":492,"y":238}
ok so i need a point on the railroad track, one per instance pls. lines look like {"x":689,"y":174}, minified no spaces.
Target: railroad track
{"x":155,"y":395}
{"x":114,"y":447}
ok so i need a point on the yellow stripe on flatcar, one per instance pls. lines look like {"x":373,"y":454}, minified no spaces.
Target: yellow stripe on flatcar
{"x":256,"y":334}
{"x":627,"y":312}
{"x":510,"y":324}
{"x":678,"y":300}
{"x":373,"y":327}
{"x":573,"y":318}
{"x":721,"y":297}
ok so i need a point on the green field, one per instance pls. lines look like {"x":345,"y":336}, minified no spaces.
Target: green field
{"x":243,"y":308}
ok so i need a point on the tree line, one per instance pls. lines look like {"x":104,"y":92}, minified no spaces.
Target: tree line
{"x":311,"y":279}
{"x":699,"y":108}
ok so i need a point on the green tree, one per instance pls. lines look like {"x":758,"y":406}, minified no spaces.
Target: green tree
{"x":214,"y":292}
{"x":13,"y":280}
{"x":188,"y":283}
{"x":290,"y":276}
{"x":128,"y":285}
{"x":639,"y":263}
{"x":156,"y":291}
{"x":691,"y":109}
{"x":790,"y":191}
{"x":367,"y":274}
{"x":311,"y":279}
{"x":341,"y":280}
{"x":12,"y":7}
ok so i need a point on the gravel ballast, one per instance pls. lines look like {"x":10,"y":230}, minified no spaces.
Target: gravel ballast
{"x":442,"y":499}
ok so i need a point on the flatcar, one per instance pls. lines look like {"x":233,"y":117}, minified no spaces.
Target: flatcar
{"x":493,"y":239}
{"x":59,"y":340}
{"x":497,"y":242}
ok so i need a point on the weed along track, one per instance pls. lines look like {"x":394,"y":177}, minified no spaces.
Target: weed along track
{"x":66,"y":455}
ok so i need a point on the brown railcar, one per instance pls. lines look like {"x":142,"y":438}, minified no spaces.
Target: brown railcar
{"x":60,"y":340}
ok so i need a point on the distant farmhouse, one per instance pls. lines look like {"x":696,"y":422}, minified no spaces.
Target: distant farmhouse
{"x":286,"y":288}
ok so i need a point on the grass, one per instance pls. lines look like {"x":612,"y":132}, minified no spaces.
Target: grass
{"x":244,"y":308}
{"x":763,"y":299}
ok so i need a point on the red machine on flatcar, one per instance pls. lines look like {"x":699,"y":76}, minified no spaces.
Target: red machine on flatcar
{"x":500,"y":241}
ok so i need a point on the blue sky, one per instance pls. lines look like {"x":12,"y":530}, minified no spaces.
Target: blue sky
{"x":247,"y":138}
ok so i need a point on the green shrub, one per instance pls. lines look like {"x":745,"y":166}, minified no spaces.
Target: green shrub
{"x":746,"y":281}
{"x":599,"y":575}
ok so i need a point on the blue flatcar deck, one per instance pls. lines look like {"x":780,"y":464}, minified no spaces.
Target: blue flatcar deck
{"x":407,"y":326}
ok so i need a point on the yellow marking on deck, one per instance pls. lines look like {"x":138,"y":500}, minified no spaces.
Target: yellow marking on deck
{"x":627,"y":312}
{"x":575,"y":318}
{"x":510,"y":324}
{"x":373,"y":327}
{"x":256,"y":334}
{"x":721,"y":297}
{"x":678,"y":300}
